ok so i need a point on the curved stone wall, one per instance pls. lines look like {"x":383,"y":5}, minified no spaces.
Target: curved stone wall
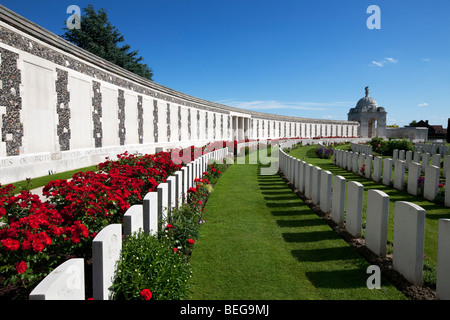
{"x":63,"y":108}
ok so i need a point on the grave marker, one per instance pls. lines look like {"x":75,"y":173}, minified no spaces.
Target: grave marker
{"x":377,"y":221}
{"x":66,"y":282}
{"x":409,"y":236}
{"x":106,"y":249}
{"x":353,"y":219}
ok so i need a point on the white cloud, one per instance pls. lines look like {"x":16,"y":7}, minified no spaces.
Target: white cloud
{"x":423,"y":104}
{"x":273,"y":104}
{"x":379,"y":64}
{"x":386,"y":60}
{"x":425,"y":59}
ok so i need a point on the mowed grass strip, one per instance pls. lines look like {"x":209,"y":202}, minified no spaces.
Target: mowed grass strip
{"x":261,"y":242}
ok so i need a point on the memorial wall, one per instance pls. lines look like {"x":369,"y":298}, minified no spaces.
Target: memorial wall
{"x":63,"y":108}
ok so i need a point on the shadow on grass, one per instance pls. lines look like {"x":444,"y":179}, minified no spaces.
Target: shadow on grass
{"x":324,"y":254}
{"x":338,"y":279}
{"x":299,"y":223}
{"x":313,"y":236}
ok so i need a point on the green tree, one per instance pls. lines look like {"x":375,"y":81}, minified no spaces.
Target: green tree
{"x":412,"y":123}
{"x":98,"y":36}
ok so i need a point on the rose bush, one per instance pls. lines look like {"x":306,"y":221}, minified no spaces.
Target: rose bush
{"x":37,"y":236}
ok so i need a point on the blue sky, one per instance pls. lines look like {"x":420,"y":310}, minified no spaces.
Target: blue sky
{"x":301,"y":58}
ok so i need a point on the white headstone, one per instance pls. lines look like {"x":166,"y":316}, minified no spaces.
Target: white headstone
{"x":179,"y":188}
{"x":316,"y":172}
{"x":425,"y":161}
{"x":185,"y":187}
{"x":66,"y":282}
{"x":308,"y":180}
{"x":387,"y":171}
{"x":171,"y":191}
{"x":377,"y":221}
{"x":163,"y":201}
{"x":409,"y":236}
{"x":368,"y":167}
{"x":395,"y":155}
{"x":376,"y":176}
{"x":436,"y":160}
{"x":401,"y":155}
{"x":431,"y":183}
{"x":413,"y":178}
{"x":446,"y":166}
{"x":443,"y":260}
{"x":408,"y":158}
{"x":447,"y":190}
{"x":353,"y":220}
{"x":399,"y":175}
{"x":150,"y":213}
{"x":133,"y":220}
{"x":325,"y":191}
{"x":338,"y":200}
{"x":106,"y":250}
{"x":302,"y":176}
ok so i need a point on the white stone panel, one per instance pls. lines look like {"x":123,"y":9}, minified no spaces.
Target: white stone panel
{"x":110,"y":118}
{"x":38,"y":109}
{"x":147,"y":106}
{"x":81,"y":126}
{"x":131,"y":119}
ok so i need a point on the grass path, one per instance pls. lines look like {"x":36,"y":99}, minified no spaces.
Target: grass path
{"x":434,"y":211}
{"x":260,"y":241}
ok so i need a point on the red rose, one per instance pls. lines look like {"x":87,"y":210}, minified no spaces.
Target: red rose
{"x":10,"y":244}
{"x":169,"y":226}
{"x":174,"y":249}
{"x":21,"y":267}
{"x":191,"y":241}
{"x":146,"y":294}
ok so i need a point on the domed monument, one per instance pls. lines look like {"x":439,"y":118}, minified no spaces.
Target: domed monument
{"x":371,"y":117}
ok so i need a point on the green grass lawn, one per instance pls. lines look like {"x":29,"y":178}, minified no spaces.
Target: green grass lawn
{"x":261,"y":241}
{"x":434,"y":212}
{"x":42,"y":181}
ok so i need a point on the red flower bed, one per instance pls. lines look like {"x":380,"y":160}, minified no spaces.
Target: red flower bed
{"x":38,"y":236}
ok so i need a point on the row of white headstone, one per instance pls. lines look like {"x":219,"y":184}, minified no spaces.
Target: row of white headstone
{"x":329,"y":191}
{"x":361,"y":148}
{"x":401,"y":161}
{"x":67,"y":281}
{"x":432,"y":148}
